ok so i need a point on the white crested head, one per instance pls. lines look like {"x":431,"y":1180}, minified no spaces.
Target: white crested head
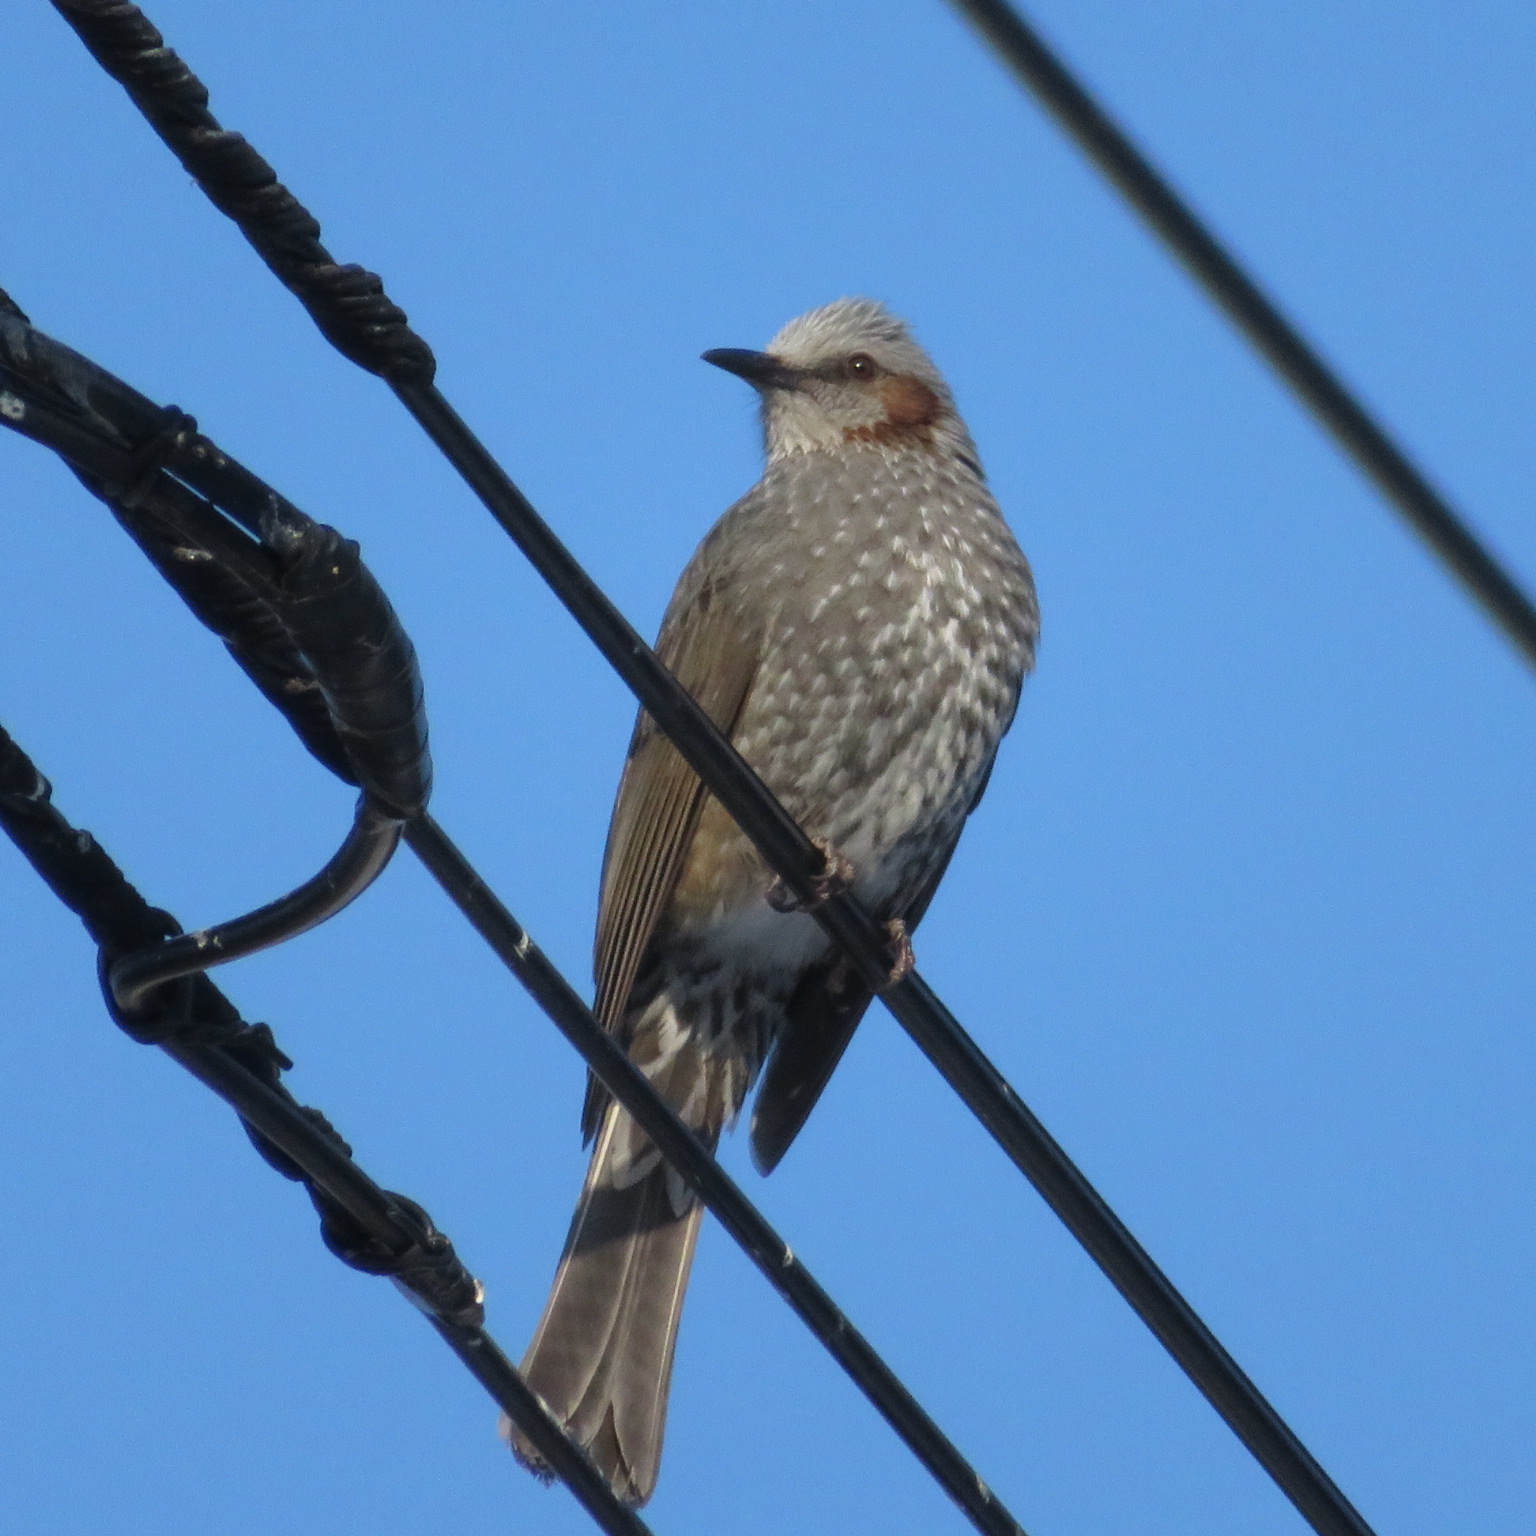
{"x":846,"y":326}
{"x":849,"y":376}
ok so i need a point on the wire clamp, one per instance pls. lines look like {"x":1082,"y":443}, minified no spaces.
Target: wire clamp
{"x":427,"y":1270}
{"x":151,"y":457}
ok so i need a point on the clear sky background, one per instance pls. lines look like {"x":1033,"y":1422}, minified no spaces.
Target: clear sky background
{"x":1247,"y":915}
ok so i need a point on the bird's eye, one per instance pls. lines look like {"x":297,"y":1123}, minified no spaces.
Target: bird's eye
{"x":861,"y":366}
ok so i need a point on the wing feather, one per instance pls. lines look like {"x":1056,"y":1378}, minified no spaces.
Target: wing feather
{"x":714,"y":656}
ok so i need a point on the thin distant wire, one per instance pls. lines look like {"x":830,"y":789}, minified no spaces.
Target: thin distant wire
{"x":1258,"y":317}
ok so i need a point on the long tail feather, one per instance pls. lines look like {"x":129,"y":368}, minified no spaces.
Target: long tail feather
{"x":602,"y":1356}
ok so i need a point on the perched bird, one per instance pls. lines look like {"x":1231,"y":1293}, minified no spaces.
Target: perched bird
{"x":859,"y":624}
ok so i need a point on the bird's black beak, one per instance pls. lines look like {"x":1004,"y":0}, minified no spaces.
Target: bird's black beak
{"x":762,"y":370}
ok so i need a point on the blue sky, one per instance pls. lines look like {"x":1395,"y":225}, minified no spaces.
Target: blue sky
{"x":1247,"y":914}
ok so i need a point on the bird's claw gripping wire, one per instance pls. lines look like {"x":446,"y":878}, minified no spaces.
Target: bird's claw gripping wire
{"x":903,"y":961}
{"x":835,"y":879}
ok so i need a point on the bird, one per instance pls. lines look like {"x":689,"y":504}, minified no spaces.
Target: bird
{"x":859,"y":625}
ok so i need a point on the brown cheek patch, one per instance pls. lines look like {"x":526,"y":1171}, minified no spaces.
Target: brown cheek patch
{"x":909,"y":403}
{"x":911,"y":408}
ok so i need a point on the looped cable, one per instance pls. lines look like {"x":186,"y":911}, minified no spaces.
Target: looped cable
{"x":134,"y":981}
{"x":370,"y":1228}
{"x":167,"y":1016}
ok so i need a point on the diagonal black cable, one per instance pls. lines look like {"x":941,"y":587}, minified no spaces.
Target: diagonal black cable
{"x":245,"y":187}
{"x":369,"y":1228}
{"x":111,"y":435}
{"x":682,"y":1149}
{"x":1258,"y":317}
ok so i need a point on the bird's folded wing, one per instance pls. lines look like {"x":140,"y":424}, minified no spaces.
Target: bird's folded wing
{"x":715,"y":657}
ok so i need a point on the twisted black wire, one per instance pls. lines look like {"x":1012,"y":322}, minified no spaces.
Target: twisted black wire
{"x":367,"y":1227}
{"x":1258,"y":317}
{"x":348,"y":303}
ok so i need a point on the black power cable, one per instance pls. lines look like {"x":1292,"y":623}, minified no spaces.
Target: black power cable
{"x":1257,"y":316}
{"x":239,"y":182}
{"x":359,"y":861}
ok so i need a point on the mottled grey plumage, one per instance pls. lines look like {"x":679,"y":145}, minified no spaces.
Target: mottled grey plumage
{"x":860,"y":623}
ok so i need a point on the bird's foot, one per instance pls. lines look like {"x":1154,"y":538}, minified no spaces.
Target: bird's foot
{"x":836,"y":877}
{"x":903,"y":961}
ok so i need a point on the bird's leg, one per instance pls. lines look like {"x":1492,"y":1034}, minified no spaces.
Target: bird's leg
{"x":903,"y":961}
{"x":836,"y":877}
